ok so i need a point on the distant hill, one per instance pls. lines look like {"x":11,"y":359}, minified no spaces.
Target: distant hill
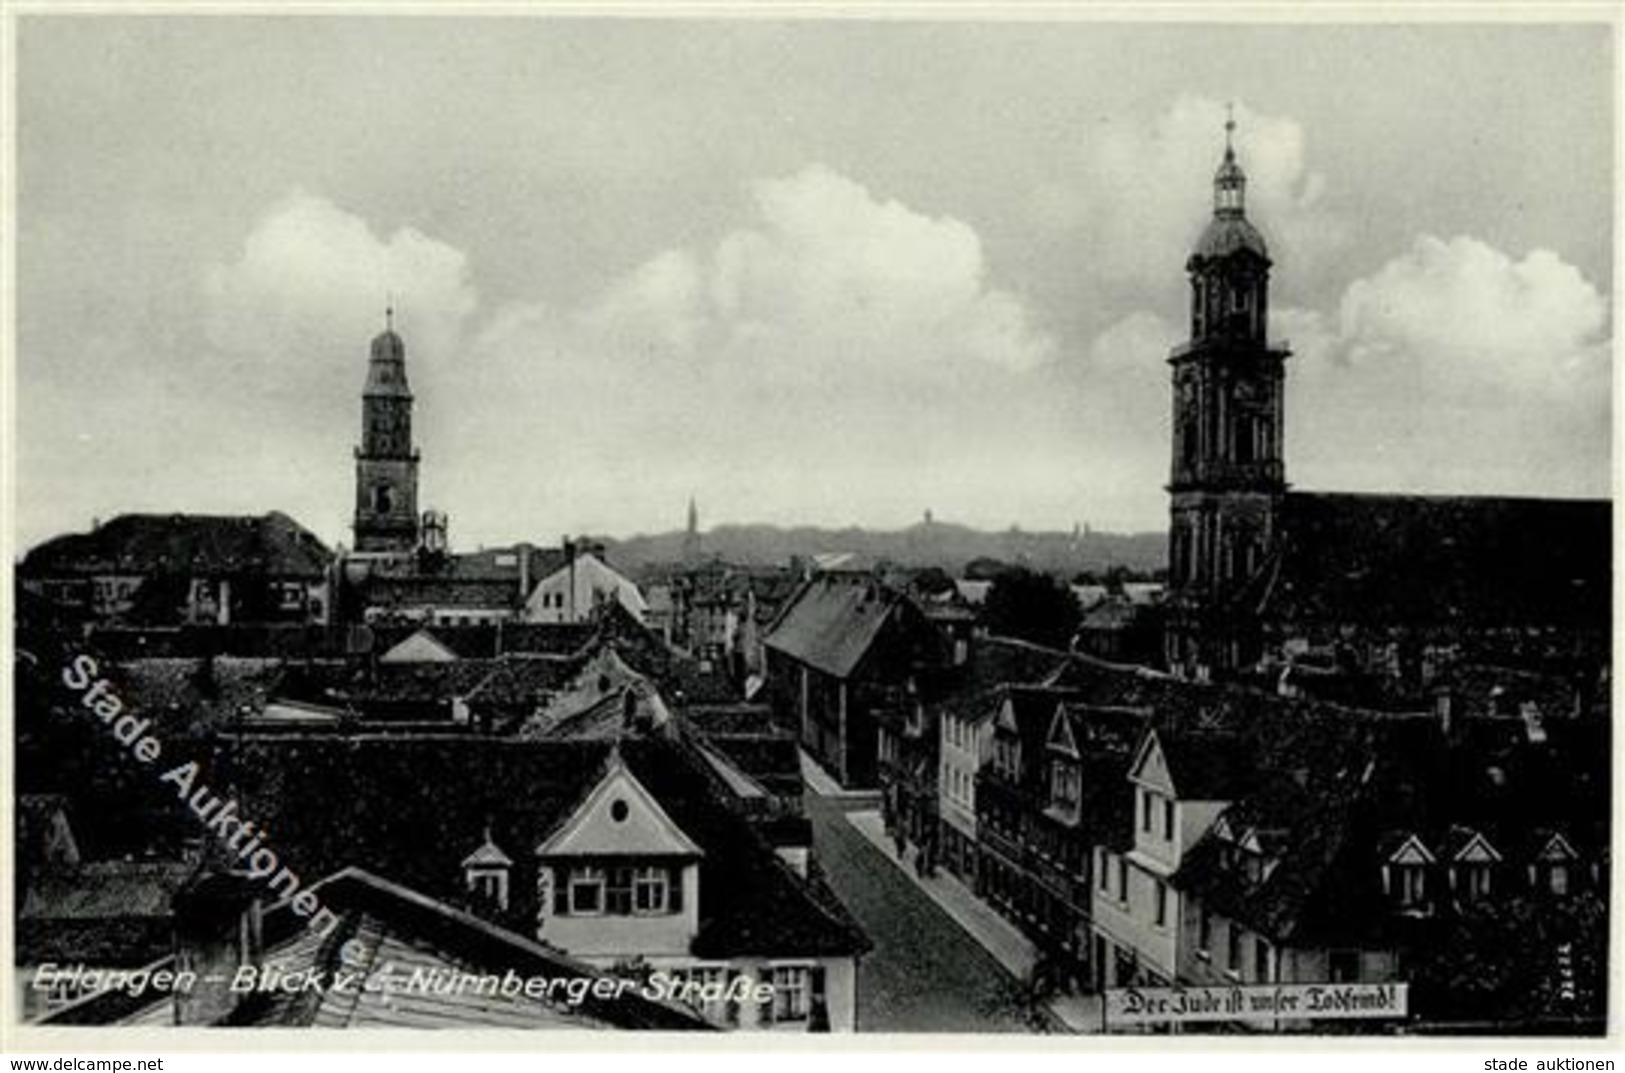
{"x":940,"y":544}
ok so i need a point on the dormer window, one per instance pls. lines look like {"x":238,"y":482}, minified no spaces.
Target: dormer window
{"x":1472,"y":881}
{"x":1553,"y":868}
{"x":1007,"y":757}
{"x":1472,"y":864}
{"x":1404,"y":876}
{"x":1064,"y":786}
{"x":1406,"y":883}
{"x":491,"y":886}
{"x":486,"y":871}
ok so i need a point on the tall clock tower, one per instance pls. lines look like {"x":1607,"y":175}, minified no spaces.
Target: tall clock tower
{"x":386,"y":463}
{"x":1227,"y":476}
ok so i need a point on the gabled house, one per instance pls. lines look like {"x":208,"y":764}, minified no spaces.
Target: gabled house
{"x":409,"y":961}
{"x":175,"y":569}
{"x":1179,"y":784}
{"x":574,"y":592}
{"x":619,"y":853}
{"x":1051,"y":792}
{"x":618,"y":878}
{"x":420,"y":646}
{"x":965,"y":700}
{"x":841,"y":659}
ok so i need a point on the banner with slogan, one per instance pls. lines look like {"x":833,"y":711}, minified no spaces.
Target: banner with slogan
{"x":1144,"y":1005}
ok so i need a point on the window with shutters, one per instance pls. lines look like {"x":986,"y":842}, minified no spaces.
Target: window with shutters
{"x":620,"y":890}
{"x":792,"y":988}
{"x":587,"y":891}
{"x":618,"y":894}
{"x":650,"y":891}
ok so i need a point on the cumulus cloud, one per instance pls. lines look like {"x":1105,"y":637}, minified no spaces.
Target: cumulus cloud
{"x":825,"y":276}
{"x":1138,"y":343}
{"x":1456,"y":366}
{"x":1471,"y":316}
{"x":312,"y":280}
{"x":1453,"y":367}
{"x":830,"y":332}
{"x":1143,"y":189}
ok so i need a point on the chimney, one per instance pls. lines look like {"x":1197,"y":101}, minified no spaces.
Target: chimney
{"x":524,"y":570}
{"x":1444,"y":703}
{"x":217,"y":932}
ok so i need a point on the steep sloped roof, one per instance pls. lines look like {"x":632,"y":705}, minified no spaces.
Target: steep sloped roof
{"x":389,"y":932}
{"x":194,"y":544}
{"x":378,"y":801}
{"x":833,"y":623}
{"x":100,"y":913}
{"x":1329,"y":804}
{"x":1451,"y":560}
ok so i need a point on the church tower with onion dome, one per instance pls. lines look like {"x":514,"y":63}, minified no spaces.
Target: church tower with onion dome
{"x":386,"y":463}
{"x":1228,"y":476}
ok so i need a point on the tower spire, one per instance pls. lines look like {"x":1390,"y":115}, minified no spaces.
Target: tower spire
{"x":1229,"y":182}
{"x":389,"y":312}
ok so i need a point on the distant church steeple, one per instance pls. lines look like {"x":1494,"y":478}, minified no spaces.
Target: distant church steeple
{"x":691,"y":535}
{"x":1228,"y":474}
{"x":386,"y":463}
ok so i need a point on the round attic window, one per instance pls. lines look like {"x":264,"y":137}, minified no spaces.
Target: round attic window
{"x":617,"y":811}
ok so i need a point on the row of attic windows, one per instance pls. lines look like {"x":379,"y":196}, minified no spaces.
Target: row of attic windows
{"x":1411,"y":874}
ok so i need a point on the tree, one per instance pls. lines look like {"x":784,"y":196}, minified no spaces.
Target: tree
{"x":1525,"y":961}
{"x":1031,"y":607}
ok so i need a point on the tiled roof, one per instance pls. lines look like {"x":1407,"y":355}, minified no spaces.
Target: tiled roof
{"x":517,"y":685}
{"x":103,"y":913}
{"x":193,"y":695}
{"x":833,"y":623}
{"x":103,"y":889}
{"x":193,"y":544}
{"x":410,"y":808}
{"x":389,"y":932}
{"x":116,"y":942}
{"x":539,"y":638}
{"x":1482,"y":561}
{"x":728,"y":719}
{"x":419,"y":683}
{"x":1331,"y":796}
{"x":393,"y":593}
{"x":1207,"y":766}
{"x":504,"y":563}
{"x":264,"y":640}
{"x":991,"y":663}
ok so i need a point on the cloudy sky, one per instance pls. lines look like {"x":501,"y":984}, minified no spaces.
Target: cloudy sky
{"x":829,"y":272}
